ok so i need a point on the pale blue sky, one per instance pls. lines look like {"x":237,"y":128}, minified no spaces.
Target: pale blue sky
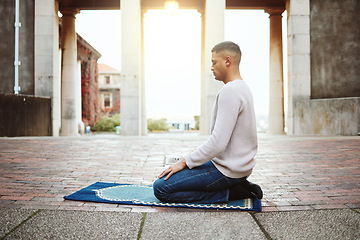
{"x":172,"y":55}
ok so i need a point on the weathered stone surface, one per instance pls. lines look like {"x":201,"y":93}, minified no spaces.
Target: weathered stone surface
{"x":80,"y":225}
{"x":201,"y":225}
{"x":337,"y":116}
{"x":329,"y":224}
{"x":12,"y":217}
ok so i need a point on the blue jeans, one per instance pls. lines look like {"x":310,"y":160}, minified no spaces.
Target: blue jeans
{"x":202,"y":184}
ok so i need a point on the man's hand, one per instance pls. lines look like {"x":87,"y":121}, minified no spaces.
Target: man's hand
{"x":176,"y":167}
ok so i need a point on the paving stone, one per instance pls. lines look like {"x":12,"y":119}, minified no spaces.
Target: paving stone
{"x":201,"y":225}
{"x":10,"y":218}
{"x":79,"y":225}
{"x":316,"y":224}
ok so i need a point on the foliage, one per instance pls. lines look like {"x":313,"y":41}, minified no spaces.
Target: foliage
{"x":157,"y":125}
{"x":107,"y":124}
{"x":89,"y":88}
{"x":197,"y":119}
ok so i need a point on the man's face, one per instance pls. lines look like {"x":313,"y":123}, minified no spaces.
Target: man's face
{"x":218,"y":66}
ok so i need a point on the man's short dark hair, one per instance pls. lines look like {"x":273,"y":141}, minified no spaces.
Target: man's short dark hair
{"x":227,"y":46}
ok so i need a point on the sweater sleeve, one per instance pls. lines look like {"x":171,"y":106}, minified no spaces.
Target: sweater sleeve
{"x":228,"y":109}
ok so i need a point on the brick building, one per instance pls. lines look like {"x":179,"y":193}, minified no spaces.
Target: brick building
{"x":90,"y":104}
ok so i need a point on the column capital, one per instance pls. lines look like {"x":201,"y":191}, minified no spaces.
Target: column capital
{"x":274,"y":11}
{"x":69,"y":11}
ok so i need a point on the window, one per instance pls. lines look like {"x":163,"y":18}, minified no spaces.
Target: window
{"x":107,"y":100}
{"x":107,"y":79}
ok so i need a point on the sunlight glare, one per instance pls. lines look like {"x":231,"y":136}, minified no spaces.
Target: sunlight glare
{"x":172,"y":64}
{"x":171,"y":7}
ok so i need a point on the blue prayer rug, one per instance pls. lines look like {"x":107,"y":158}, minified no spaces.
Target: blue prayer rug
{"x":143,"y":195}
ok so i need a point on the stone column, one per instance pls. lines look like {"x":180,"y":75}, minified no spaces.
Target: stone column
{"x":276,"y":95}
{"x":212,"y":33}
{"x":299,"y":74}
{"x":47,"y":57}
{"x":81,"y":125}
{"x":144,"y":130}
{"x":70,"y":84}
{"x":130,"y":67}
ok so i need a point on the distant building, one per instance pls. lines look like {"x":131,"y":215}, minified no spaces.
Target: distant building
{"x":181,"y":125}
{"x":109,"y":85}
{"x":87,"y":59}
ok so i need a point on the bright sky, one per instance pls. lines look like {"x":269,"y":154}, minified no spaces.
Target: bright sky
{"x":172,"y":55}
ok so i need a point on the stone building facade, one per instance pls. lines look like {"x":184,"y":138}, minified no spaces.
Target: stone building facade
{"x":323,"y":67}
{"x":109,"y":86}
{"x":332,"y":101}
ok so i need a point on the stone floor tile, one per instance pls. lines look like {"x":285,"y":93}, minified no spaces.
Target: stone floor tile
{"x":79,"y":225}
{"x":10,"y":218}
{"x":316,"y":224}
{"x":212,"y":225}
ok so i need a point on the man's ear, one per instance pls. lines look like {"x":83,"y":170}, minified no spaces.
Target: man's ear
{"x":227,"y":61}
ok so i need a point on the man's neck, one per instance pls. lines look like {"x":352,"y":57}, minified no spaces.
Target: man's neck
{"x":232,"y":77}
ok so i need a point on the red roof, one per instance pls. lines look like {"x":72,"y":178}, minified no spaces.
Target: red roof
{"x":106,"y":68}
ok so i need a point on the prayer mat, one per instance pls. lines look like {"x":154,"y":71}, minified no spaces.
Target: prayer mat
{"x":143,"y":195}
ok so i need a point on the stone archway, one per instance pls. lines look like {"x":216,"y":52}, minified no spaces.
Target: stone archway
{"x":212,"y":12}
{"x":133,"y":111}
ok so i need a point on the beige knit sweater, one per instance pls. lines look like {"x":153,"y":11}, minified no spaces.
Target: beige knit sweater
{"x":232,"y":144}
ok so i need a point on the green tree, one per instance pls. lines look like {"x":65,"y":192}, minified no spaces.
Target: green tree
{"x":157,"y":125}
{"x":197,"y":119}
{"x":107,"y":124}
